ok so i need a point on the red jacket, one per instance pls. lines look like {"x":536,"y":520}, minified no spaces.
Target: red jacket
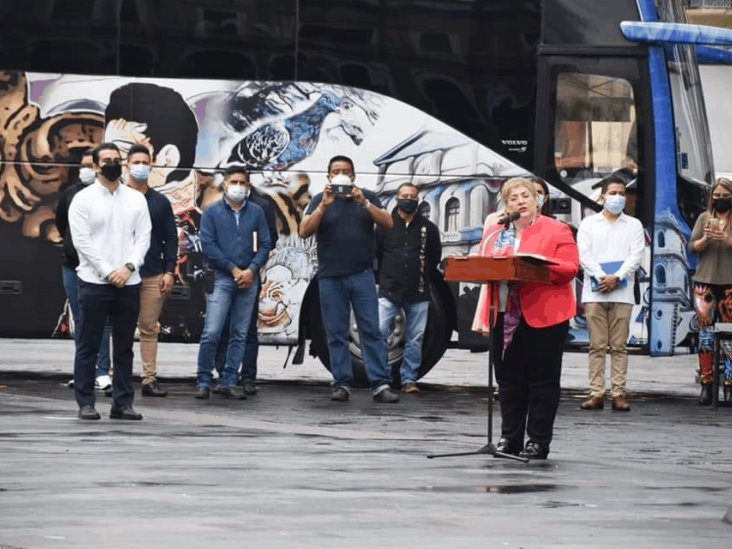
{"x":546,"y":304}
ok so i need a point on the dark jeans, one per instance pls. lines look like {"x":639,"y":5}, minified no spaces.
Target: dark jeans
{"x":251,"y":351}
{"x":122,"y":306}
{"x":528,"y":378}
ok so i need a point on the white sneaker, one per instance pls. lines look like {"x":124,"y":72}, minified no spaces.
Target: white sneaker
{"x":103,"y":383}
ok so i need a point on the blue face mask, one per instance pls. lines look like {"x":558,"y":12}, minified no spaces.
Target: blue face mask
{"x":615,"y":203}
{"x":140,"y":172}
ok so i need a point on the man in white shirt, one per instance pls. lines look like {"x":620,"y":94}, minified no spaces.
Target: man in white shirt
{"x":110,"y":226}
{"x":611,"y":246}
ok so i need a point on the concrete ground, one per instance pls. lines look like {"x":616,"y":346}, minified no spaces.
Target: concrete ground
{"x":289,"y":468}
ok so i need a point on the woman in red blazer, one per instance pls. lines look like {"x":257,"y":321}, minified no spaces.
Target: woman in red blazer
{"x":531,"y":329}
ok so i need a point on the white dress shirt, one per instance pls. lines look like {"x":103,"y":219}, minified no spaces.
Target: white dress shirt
{"x":109,"y":229}
{"x":600,"y":241}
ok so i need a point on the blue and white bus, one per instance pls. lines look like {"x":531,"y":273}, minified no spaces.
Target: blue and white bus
{"x":455,"y":96}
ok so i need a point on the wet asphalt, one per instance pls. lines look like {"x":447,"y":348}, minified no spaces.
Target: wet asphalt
{"x":290,"y":468}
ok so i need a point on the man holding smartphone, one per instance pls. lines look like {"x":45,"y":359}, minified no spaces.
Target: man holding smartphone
{"x":344,"y":225}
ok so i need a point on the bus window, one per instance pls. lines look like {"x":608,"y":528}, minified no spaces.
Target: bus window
{"x":595,"y":131}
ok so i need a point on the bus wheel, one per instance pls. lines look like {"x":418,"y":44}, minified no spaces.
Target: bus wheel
{"x":435,"y":341}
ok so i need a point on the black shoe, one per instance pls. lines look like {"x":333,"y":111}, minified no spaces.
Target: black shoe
{"x":250,"y":388}
{"x":153,"y":390}
{"x":705,"y":397}
{"x":534,"y":450}
{"x":341,"y":394}
{"x":202,"y":393}
{"x":125,"y":412}
{"x":230,"y":392}
{"x":88,"y":412}
{"x":505,"y":446}
{"x":386,"y":395}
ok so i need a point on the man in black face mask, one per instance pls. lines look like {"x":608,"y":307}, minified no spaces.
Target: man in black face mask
{"x":110,"y":227}
{"x":408,"y":255}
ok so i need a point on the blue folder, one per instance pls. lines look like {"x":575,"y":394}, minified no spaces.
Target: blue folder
{"x":610,"y":267}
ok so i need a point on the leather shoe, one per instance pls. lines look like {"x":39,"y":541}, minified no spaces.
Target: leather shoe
{"x":341,"y":394}
{"x":202,"y":393}
{"x":88,"y":412}
{"x":411,"y":388}
{"x":620,"y":404}
{"x":534,"y":450}
{"x":705,"y":397}
{"x":153,"y":390}
{"x":593,"y":403}
{"x":125,"y":412}
{"x":250,"y":388}
{"x":505,"y":446}
{"x":386,"y":395}
{"x":230,"y":392}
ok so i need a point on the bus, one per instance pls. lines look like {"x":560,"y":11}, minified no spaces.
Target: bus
{"x":454,"y":96}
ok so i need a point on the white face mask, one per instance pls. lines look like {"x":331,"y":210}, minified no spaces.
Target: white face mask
{"x":615,"y":203}
{"x":140,"y":172}
{"x":237,"y":193}
{"x":87,"y":175}
{"x":540,"y":199}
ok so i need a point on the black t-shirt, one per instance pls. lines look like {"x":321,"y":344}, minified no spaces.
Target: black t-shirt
{"x":345,"y":236}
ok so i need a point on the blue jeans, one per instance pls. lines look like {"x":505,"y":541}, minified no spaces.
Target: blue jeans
{"x":99,"y":302}
{"x":251,"y":352}
{"x":359,"y":291}
{"x":71,"y":286}
{"x":227,"y":301}
{"x":415,"y":319}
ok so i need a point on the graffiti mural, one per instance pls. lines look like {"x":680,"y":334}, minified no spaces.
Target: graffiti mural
{"x":284,"y":133}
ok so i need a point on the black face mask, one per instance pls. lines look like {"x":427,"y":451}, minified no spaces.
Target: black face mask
{"x":112,"y":171}
{"x":722,"y":205}
{"x":407,"y":205}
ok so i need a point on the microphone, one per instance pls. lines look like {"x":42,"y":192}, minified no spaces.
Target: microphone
{"x":507,"y":219}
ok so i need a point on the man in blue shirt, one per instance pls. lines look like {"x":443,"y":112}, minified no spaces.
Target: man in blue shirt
{"x":235,"y":241}
{"x":344,"y":224}
{"x":157,"y":272}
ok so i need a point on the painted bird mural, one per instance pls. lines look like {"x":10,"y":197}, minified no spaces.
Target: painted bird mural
{"x":282,"y":142}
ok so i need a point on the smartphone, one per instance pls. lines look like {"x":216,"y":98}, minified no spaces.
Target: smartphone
{"x":713,"y":224}
{"x":342,"y":185}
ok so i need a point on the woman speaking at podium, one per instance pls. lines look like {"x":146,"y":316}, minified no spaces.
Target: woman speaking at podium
{"x":531,"y":323}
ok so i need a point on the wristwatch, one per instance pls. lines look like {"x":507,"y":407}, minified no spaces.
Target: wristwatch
{"x":130,"y":267}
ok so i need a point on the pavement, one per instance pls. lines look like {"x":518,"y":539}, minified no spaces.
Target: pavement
{"x":670,"y":376}
{"x":289,"y":468}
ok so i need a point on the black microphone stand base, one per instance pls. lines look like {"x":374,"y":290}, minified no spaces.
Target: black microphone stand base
{"x":489,"y":449}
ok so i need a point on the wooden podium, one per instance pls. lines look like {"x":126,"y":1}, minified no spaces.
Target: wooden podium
{"x":524,"y":268}
{"x":492,"y":270}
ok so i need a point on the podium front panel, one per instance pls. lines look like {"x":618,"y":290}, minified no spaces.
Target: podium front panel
{"x":491,"y":269}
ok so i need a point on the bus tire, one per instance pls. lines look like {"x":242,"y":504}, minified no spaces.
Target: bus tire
{"x":436,"y":338}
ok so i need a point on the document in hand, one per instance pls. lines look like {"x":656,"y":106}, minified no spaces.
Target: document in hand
{"x":610,"y":267}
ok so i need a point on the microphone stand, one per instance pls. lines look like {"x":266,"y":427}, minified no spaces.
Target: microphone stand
{"x":489,"y":448}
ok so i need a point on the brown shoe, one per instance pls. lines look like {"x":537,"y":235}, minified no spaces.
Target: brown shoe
{"x":593,"y":403}
{"x":620,"y":404}
{"x":410,"y":388}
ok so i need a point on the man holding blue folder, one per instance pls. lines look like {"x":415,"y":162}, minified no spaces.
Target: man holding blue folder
{"x":611,"y":246}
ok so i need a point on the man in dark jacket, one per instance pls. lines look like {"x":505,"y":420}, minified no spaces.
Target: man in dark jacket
{"x":408,"y":255}
{"x":158,"y":271}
